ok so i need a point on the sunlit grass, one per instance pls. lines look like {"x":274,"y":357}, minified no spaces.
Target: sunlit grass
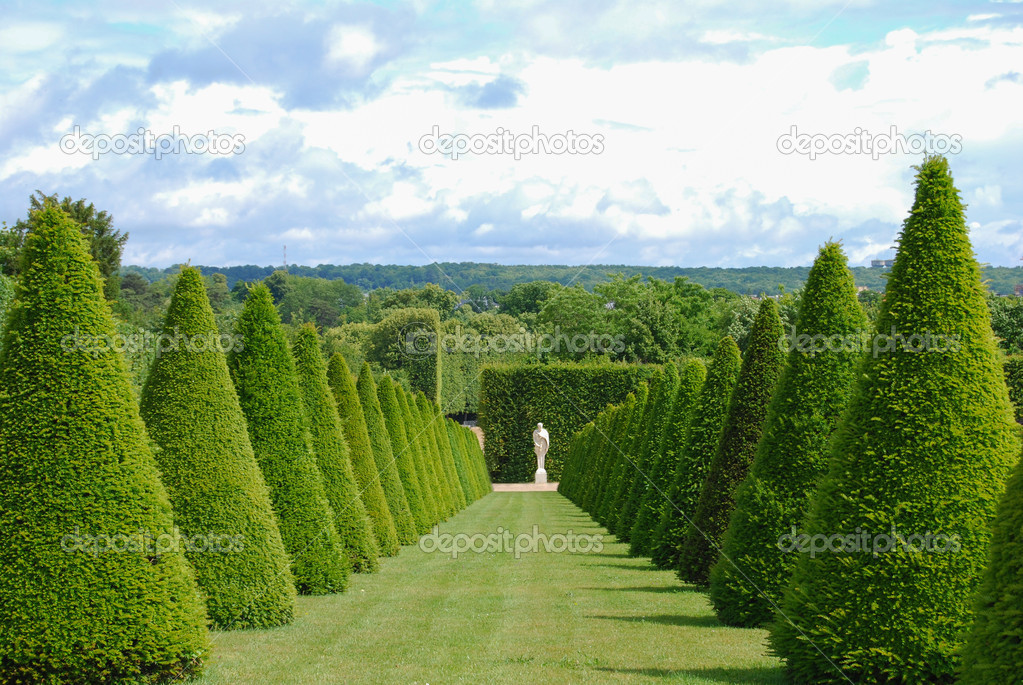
{"x":542,"y":618}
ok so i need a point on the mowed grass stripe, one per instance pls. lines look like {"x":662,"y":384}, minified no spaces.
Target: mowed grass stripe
{"x":545,"y":617}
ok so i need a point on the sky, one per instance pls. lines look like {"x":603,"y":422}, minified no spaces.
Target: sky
{"x":702,"y":133}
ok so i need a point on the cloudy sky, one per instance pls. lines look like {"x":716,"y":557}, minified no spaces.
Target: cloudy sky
{"x":331,"y":120}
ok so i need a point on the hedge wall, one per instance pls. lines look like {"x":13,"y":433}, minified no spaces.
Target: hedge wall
{"x":564,"y":396}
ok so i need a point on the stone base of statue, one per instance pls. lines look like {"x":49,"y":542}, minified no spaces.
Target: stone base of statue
{"x":541,"y":477}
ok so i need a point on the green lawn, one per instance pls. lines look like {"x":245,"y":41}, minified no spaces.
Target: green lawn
{"x":542,"y":618}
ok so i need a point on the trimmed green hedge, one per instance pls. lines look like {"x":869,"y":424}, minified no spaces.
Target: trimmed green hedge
{"x":744,"y":424}
{"x":662,"y":471}
{"x":353,"y":425}
{"x":264,"y":375}
{"x":925,"y":446}
{"x":206,"y":462}
{"x":380,"y":440}
{"x":791,"y":458}
{"x":563,"y":396}
{"x":332,"y":453}
{"x":402,"y":451}
{"x":695,"y":453}
{"x":76,"y":472}
{"x":428,"y":492}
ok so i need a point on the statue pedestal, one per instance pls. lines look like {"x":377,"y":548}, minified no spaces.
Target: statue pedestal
{"x":541,"y":477}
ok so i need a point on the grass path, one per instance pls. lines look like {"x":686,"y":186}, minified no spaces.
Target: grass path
{"x":491,"y":618}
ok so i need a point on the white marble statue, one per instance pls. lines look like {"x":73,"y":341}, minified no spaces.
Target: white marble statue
{"x":541,"y":442}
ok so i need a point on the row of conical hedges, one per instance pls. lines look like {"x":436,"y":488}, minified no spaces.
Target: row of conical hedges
{"x":239,"y":479}
{"x":883,"y":461}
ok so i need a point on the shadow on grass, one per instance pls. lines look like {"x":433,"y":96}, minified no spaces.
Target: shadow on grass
{"x":666,"y":589}
{"x":738,"y":676}
{"x":630,"y":568}
{"x":704,"y":621}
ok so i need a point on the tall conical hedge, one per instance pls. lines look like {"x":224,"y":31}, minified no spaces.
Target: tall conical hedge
{"x":924,"y":446}
{"x":743,"y":427}
{"x":447,"y":457}
{"x":665,"y":383}
{"x":427,"y":489}
{"x":402,"y":451}
{"x":191,"y":412}
{"x":624,"y":448}
{"x":264,"y":375}
{"x":615,"y":432}
{"x":353,"y":424}
{"x":332,"y":453}
{"x":427,"y":418}
{"x":994,"y":652}
{"x":696,"y":453}
{"x":791,"y":457}
{"x":380,"y":440}
{"x":82,"y":598}
{"x":662,"y":472}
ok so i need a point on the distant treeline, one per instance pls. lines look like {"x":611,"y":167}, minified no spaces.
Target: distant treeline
{"x":458,"y":276}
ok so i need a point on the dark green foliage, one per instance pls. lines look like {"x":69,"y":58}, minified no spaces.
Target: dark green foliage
{"x":428,"y":490}
{"x":665,"y":384}
{"x":76,"y":469}
{"x":206,"y":462}
{"x":353,"y":425}
{"x":624,"y":448}
{"x":407,"y":340}
{"x":264,"y":375}
{"x":380,"y":441}
{"x":662,"y":473}
{"x":695,"y":453}
{"x":925,"y":445}
{"x":791,"y":457}
{"x":448,"y":458}
{"x":332,"y":454}
{"x":513,"y":399}
{"x":1014,"y":379}
{"x":743,"y":426}
{"x":993,"y":654}
{"x":402,"y":451}
{"x":429,"y":432}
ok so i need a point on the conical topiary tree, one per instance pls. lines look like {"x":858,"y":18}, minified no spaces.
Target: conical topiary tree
{"x":447,"y":457}
{"x":625,"y":447}
{"x":746,"y":583}
{"x":695,"y":453}
{"x":743,"y":426}
{"x":380,"y":440}
{"x":664,"y":386}
{"x":924,"y":447}
{"x":353,"y":424}
{"x":402,"y":451}
{"x":206,"y":462}
{"x":662,"y":473}
{"x":426,"y":419}
{"x":94,"y":586}
{"x":427,"y":488}
{"x":994,"y":653}
{"x":332,"y":454}
{"x":264,"y":375}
